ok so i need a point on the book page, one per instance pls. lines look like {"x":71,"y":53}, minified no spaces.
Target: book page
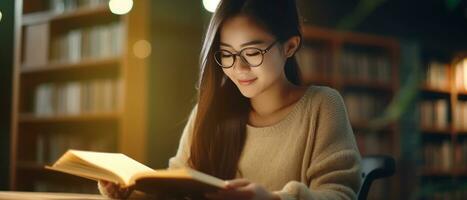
{"x":117,"y":163}
{"x":182,"y":173}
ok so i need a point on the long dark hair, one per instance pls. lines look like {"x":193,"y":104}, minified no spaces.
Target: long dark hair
{"x":222,"y":114}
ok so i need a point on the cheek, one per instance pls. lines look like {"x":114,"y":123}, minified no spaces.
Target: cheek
{"x":272,"y":67}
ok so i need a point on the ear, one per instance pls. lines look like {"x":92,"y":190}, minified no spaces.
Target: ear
{"x":291,"y":46}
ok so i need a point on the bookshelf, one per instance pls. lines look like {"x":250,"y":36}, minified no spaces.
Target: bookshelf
{"x":443,"y":113}
{"x":78,"y":83}
{"x":364,"y":69}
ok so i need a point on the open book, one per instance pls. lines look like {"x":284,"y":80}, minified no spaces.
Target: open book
{"x":121,"y":169}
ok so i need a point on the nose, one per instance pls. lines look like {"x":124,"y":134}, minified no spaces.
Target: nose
{"x":240,"y":65}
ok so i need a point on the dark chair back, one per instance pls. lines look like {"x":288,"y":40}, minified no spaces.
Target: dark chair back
{"x":375,"y":167}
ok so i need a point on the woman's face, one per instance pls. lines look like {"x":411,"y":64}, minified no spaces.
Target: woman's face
{"x":241,"y":32}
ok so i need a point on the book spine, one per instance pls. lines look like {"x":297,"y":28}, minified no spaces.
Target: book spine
{"x":74,"y":98}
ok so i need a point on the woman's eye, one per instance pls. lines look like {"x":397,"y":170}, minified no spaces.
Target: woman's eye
{"x":252,"y":53}
{"x":226,"y":55}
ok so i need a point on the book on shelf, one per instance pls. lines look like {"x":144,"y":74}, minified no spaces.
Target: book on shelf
{"x":100,"y":41}
{"x":460,"y":116}
{"x":461,"y":75}
{"x":365,"y":66}
{"x":60,"y":6}
{"x":362,"y":107}
{"x":461,"y":155}
{"x":313,"y":62}
{"x":453,"y":193}
{"x":434,"y":113}
{"x":51,"y":145}
{"x":126,"y":172}
{"x":36,"y":41}
{"x":436,"y":75}
{"x":438,"y":155}
{"x":77,"y":97}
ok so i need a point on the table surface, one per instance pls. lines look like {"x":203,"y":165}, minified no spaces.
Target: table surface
{"x":17,"y":195}
{"x":13,"y":195}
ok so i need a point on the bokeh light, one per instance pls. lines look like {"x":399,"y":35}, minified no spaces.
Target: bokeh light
{"x":120,"y":7}
{"x":210,"y":5}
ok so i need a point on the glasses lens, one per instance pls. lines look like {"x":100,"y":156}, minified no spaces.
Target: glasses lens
{"x":224,"y":58}
{"x":253,"y":56}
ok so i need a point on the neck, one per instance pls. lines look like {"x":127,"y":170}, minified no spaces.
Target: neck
{"x":274,"y":98}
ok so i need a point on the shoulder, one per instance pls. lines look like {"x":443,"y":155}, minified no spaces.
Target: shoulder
{"x":323,"y":94}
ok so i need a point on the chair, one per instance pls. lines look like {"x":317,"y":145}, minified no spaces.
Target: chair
{"x":375,"y":167}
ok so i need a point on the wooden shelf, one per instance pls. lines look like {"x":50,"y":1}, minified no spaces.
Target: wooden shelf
{"x":348,"y":37}
{"x":335,"y":44}
{"x":320,"y":80}
{"x":461,"y":172}
{"x":435,"y":90}
{"x":436,"y":130}
{"x":436,"y":172}
{"x":31,"y":118}
{"x":367,"y":84}
{"x":462,"y":92}
{"x":121,"y":78}
{"x":366,"y":126}
{"x":461,"y":132}
{"x":443,"y":173}
{"x":50,"y":16}
{"x":85,"y":64}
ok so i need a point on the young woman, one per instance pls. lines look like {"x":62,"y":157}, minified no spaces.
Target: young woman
{"x":254,"y":123}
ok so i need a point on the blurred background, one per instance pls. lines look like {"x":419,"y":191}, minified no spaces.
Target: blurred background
{"x":120,"y":75}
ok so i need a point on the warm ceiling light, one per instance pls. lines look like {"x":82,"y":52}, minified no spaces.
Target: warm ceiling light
{"x":120,"y":7}
{"x":210,"y":5}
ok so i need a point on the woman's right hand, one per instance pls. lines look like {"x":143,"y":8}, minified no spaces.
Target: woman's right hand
{"x":113,"y":190}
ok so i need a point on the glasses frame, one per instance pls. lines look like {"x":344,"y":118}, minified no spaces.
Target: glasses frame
{"x":239,"y":54}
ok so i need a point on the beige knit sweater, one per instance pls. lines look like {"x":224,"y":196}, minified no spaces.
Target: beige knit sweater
{"x":310,"y":154}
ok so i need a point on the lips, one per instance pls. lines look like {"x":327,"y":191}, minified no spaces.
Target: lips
{"x":247,"y":81}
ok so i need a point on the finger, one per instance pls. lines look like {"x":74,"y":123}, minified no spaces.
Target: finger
{"x":104,"y":183}
{"x":237,"y":183}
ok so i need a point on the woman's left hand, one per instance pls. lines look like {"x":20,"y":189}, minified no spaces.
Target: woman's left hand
{"x":243,"y":189}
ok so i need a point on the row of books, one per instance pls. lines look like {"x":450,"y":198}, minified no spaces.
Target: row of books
{"x":363,"y":107}
{"x":74,"y":98}
{"x":437,"y":75}
{"x":313,"y":62}
{"x":458,"y":194}
{"x":461,"y":154}
{"x":434,"y":113}
{"x":461,"y":75}
{"x":439,"y":156}
{"x":100,"y":41}
{"x":461,"y":116}
{"x":60,"y":6}
{"x":365,"y":66}
{"x":50,"y":146}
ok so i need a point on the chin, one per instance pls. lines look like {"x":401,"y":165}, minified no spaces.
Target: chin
{"x":248,"y":92}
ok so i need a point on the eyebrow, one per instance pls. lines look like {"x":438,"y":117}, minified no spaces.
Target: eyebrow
{"x":253,"y":42}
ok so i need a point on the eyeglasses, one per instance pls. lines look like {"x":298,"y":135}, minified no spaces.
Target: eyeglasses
{"x":251,"y":56}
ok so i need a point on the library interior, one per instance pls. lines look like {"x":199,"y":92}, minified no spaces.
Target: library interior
{"x":121,"y":76}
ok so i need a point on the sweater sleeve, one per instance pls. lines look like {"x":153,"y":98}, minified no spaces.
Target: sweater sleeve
{"x":334,"y":170}
{"x":183,"y":152}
